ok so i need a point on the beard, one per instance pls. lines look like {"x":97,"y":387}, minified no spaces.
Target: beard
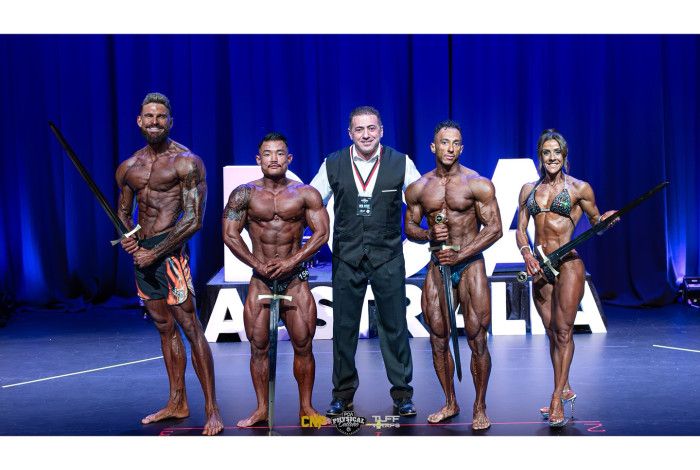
{"x":155,"y":140}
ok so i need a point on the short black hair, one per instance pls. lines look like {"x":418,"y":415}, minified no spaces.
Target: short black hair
{"x":270,"y":136}
{"x":362,"y":110}
{"x":446,"y":124}
{"x":155,"y":97}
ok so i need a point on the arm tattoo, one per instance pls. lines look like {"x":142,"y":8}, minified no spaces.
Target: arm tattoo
{"x":237,"y":203}
{"x":193,"y":202}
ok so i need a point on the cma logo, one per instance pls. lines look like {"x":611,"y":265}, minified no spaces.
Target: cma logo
{"x":315,"y":421}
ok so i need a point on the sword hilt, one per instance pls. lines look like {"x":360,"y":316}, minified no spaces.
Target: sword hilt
{"x":126,"y":235}
{"x":444,"y":247}
{"x":274,"y":296}
{"x":547,"y":261}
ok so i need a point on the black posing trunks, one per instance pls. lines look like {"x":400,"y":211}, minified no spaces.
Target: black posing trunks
{"x":458,"y":268}
{"x":300,"y":272}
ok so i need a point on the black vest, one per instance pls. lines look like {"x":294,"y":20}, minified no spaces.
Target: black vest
{"x":379,"y":235}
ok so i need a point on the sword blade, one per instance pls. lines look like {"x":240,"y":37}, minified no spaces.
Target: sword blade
{"x":446,"y":273}
{"x":88,"y":179}
{"x":559,"y":253}
{"x":272,"y":356}
{"x":563,"y":250}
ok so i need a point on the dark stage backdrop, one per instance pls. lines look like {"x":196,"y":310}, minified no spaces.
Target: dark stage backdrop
{"x":628,"y":106}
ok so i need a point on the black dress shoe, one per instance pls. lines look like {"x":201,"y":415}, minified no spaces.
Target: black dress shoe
{"x":404,"y":407}
{"x":337,"y":406}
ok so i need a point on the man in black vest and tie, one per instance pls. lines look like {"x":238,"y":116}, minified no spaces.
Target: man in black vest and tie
{"x":367,"y":180}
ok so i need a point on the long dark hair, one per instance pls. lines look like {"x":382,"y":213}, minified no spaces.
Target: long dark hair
{"x":552,"y":134}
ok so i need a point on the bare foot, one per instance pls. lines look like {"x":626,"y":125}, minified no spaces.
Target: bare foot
{"x":479,"y":420}
{"x":446,"y":412}
{"x":258,"y":416}
{"x":312,"y":412}
{"x":170,"y":411}
{"x":214,"y":425}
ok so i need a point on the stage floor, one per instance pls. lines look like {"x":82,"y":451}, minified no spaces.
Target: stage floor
{"x":103,"y":373}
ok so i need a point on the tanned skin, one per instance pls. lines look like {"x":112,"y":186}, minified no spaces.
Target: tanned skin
{"x":168,"y":182}
{"x":276,"y":210}
{"x":557,"y":304}
{"x":468,"y":200}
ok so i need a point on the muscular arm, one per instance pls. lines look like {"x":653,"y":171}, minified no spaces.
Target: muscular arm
{"x":589,"y":207}
{"x":488,"y":214}
{"x":318,"y":221}
{"x":523,"y":217}
{"x":587,"y":203}
{"x":531,"y":263}
{"x":233,"y":222}
{"x":193,"y":187}
{"x":125,"y":204}
{"x":125,"y":207}
{"x":414,"y":215}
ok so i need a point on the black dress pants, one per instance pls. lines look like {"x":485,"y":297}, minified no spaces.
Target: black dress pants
{"x":389,"y":288}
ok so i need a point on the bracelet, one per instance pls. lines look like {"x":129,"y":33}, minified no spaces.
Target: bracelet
{"x":523,"y":247}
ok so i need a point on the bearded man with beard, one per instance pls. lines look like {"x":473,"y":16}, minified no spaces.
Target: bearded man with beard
{"x":168,"y":182}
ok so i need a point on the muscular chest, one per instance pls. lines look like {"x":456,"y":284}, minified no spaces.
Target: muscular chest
{"x":146,"y":176}
{"x":453,"y":194}
{"x":266,"y":206}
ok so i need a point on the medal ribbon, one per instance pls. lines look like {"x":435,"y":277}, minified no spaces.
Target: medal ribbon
{"x":365,"y":183}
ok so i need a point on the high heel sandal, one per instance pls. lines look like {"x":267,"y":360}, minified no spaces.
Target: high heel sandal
{"x":567,"y":396}
{"x":560,"y":423}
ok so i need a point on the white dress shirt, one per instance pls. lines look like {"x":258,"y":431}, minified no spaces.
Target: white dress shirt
{"x":320,"y":181}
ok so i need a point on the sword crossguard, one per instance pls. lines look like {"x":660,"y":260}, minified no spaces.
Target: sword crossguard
{"x":444,"y":247}
{"x":126,"y":235}
{"x":547,"y":261}
{"x":274,"y":297}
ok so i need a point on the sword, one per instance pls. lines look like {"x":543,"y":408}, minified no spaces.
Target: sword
{"x":446,"y":274}
{"x":123,"y":231}
{"x":551,"y":262}
{"x":272,"y":350}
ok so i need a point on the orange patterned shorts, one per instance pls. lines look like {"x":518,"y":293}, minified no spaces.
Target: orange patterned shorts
{"x":168,"y":278}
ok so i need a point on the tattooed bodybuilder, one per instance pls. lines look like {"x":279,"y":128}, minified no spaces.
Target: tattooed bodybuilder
{"x":168,"y":182}
{"x":275,"y":210}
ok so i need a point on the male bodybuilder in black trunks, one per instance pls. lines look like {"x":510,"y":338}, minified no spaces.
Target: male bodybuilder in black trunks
{"x":467,"y":201}
{"x":275,"y":210}
{"x":168,"y":182}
